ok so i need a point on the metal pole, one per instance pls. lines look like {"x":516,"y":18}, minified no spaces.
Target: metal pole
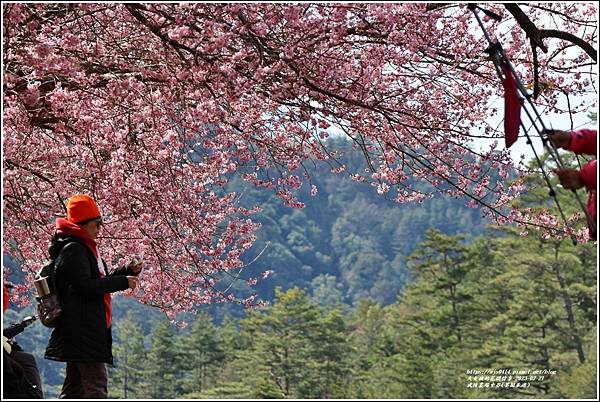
{"x":499,"y":57}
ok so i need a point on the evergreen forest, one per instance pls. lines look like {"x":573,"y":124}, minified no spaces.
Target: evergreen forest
{"x":371,"y":299}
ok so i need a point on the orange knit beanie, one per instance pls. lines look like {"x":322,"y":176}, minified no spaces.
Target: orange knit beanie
{"x":82,"y":208}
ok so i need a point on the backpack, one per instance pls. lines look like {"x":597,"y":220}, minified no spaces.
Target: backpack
{"x":48,"y":305}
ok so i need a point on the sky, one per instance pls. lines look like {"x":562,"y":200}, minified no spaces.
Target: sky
{"x":551,"y":120}
{"x":589,"y":101}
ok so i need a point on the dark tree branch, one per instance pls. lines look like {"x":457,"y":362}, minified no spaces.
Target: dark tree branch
{"x":536,"y":74}
{"x":436,"y":6}
{"x":136,"y":11}
{"x":537,"y":35}
{"x":587,"y":48}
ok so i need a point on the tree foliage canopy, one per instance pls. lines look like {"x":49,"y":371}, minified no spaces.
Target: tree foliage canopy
{"x":152,"y":108}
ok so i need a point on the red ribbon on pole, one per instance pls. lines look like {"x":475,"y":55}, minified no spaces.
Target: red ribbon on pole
{"x":512,"y":108}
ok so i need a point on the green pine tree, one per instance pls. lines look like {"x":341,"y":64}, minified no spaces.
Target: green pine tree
{"x":294,"y":349}
{"x":130,"y":357}
{"x":162,"y":368}
{"x":202,"y":355}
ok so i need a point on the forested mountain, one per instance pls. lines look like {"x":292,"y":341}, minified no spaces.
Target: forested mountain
{"x":347,"y":231}
{"x":370,"y":299}
{"x":170,"y":114}
{"x":498,"y":317}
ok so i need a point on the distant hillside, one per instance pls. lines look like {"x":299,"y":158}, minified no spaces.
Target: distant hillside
{"x":348,"y":232}
{"x":347,"y":244}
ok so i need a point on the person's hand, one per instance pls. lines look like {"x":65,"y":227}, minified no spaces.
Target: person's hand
{"x":560,"y":138}
{"x":132,"y":281}
{"x":136,"y":266}
{"x":569,"y":178}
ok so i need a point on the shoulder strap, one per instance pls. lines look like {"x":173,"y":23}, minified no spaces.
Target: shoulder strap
{"x":58,"y":244}
{"x":55,"y":250}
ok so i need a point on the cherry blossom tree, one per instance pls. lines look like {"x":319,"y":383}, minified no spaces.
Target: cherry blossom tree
{"x":151,"y":108}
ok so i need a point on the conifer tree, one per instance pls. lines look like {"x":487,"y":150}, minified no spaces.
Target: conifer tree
{"x":294,"y":348}
{"x":162,"y":369}
{"x":130,"y":359}
{"x":201,"y":354}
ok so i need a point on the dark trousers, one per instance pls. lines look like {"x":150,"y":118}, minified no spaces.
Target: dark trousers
{"x":85,"y":380}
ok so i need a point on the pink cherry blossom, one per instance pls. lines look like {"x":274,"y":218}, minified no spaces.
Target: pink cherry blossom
{"x":152,"y":108}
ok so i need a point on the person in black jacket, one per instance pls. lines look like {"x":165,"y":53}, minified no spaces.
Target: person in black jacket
{"x":20,"y":374}
{"x":82,"y":337}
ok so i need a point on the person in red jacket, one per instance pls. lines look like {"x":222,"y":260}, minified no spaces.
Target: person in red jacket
{"x":580,"y":142}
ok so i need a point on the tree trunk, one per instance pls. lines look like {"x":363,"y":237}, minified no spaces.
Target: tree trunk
{"x":569,"y":308}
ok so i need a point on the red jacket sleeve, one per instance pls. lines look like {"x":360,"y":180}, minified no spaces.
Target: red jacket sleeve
{"x":588,"y":175}
{"x":583,"y":142}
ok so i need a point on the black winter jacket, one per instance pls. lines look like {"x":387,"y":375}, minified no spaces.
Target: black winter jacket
{"x":81,"y":334}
